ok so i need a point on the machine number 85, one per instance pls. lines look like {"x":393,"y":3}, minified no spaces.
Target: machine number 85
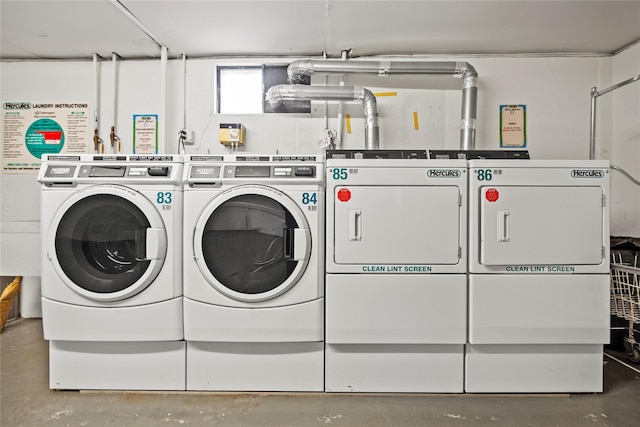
{"x":339,"y":173}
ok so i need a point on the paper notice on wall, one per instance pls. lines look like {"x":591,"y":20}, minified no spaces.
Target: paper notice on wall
{"x":513,"y":125}
{"x":145,"y":134}
{"x":32,"y":129}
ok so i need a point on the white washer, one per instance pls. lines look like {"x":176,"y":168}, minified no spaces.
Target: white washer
{"x":396,"y":287}
{"x":539,"y":275}
{"x":254,"y":277}
{"x":112,"y":271}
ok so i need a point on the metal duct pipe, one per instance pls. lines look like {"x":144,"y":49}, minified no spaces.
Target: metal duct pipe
{"x":469,"y":114}
{"x":281,"y":93}
{"x":462,"y":70}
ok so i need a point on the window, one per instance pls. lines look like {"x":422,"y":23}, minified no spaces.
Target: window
{"x":239,"y":90}
{"x":242,"y":90}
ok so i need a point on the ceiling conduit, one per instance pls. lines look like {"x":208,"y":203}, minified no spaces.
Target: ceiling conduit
{"x":281,"y":93}
{"x":462,"y":70}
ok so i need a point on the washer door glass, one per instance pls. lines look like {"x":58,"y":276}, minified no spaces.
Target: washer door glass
{"x":248,"y":244}
{"x":100,"y":243}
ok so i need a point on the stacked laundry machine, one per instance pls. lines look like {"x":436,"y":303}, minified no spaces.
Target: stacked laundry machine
{"x":112,"y":271}
{"x":254,"y":272}
{"x":396,"y":284}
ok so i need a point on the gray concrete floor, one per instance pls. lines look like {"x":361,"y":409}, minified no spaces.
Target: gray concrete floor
{"x":27,"y":401}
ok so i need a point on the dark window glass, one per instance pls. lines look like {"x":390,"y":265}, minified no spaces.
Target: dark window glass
{"x":246,"y":244}
{"x":101,"y":242}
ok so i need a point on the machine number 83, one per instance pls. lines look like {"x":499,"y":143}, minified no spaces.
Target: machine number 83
{"x":164,"y":198}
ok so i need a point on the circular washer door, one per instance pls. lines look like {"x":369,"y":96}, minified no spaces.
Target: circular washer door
{"x":107,"y":242}
{"x":252,"y":243}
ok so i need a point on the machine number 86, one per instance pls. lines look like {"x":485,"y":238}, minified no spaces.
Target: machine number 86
{"x":484,"y":175}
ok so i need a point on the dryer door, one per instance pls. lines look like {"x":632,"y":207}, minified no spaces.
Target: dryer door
{"x":252,"y":243}
{"x":107,"y":242}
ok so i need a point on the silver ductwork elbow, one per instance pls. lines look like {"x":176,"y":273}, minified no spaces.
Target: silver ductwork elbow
{"x":279,"y":93}
{"x":462,"y":70}
{"x":297,"y":70}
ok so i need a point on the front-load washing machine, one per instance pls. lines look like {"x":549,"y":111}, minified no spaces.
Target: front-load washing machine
{"x":112,"y":271}
{"x":396,"y":286}
{"x":253,"y":272}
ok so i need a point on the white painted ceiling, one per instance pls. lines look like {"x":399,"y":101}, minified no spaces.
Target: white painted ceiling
{"x":136,"y":29}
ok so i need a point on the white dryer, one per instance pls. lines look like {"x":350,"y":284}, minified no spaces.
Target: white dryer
{"x":254,"y":277}
{"x":112,"y":271}
{"x":396,"y":286}
{"x":539,"y":275}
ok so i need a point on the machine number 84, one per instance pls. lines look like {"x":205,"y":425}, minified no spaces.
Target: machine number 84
{"x":309,"y":198}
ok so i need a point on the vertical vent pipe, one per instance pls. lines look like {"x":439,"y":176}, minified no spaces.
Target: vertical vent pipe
{"x":281,"y":93}
{"x":462,"y":70}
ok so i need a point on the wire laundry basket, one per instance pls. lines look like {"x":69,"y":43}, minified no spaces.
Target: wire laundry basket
{"x":625,"y":298}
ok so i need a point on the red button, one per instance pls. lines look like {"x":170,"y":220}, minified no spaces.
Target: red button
{"x":344,"y":195}
{"x":492,"y":195}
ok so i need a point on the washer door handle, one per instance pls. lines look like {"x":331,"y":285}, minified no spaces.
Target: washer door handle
{"x":296,"y":244}
{"x":151,"y":243}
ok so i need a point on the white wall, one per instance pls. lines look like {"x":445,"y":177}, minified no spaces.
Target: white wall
{"x":556,"y":91}
{"x":624,"y":105}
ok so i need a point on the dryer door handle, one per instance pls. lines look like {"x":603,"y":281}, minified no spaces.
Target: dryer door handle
{"x":504,"y":225}
{"x":355,"y":224}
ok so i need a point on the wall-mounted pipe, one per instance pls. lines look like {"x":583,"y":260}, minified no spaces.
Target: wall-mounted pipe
{"x":339,"y":128}
{"x":113,"y":136}
{"x":127,"y":13}
{"x":462,"y":70}
{"x":162,"y":126}
{"x":182,"y":133}
{"x":114,"y":63}
{"x":281,"y":93}
{"x":595,"y":94}
{"x":97,"y":141}
{"x":184,"y":91}
{"x":592,"y":136}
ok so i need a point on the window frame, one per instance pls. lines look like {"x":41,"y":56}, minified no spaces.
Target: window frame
{"x":272,"y":74}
